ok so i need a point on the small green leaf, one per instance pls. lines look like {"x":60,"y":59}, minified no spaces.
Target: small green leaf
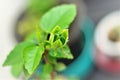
{"x":51,"y":39}
{"x":64,"y":36}
{"x":57,"y":44}
{"x":61,"y":15}
{"x":63,"y":52}
{"x":32,"y":57}
{"x":61,"y":34}
{"x":46,"y":72}
{"x":15,"y":55}
{"x":17,"y":69}
{"x":56,"y":29}
{"x":48,"y":45}
{"x":58,"y":38}
{"x":51,"y":59}
{"x":60,"y":67}
{"x":47,"y":69}
{"x":40,"y":6}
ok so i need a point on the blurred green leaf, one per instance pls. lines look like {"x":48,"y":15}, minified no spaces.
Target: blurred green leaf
{"x":60,"y":67}
{"x":51,"y":59}
{"x":15,"y":55}
{"x":63,"y":52}
{"x":17,"y":69}
{"x":45,"y":76}
{"x":32,"y":57}
{"x":61,"y":15}
{"x":27,"y":24}
{"x":39,"y":34}
{"x":47,"y":69}
{"x":40,"y":6}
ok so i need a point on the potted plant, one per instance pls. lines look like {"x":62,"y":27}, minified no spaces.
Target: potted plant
{"x":25,"y":24}
{"x":37,"y":55}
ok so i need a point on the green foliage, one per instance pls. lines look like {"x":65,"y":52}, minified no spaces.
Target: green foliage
{"x":61,"y":15}
{"x":63,"y":52}
{"x":51,"y":59}
{"x":17,"y":69}
{"x":58,"y":38}
{"x":45,"y":46}
{"x":60,"y":67}
{"x":47,"y":68}
{"x":15,"y":55}
{"x":32,"y":57}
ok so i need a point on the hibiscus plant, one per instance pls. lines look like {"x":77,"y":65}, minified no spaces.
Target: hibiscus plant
{"x":37,"y":55}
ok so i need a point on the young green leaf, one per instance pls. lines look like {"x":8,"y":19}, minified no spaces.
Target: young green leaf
{"x":61,"y":15}
{"x":61,"y":34}
{"x":17,"y":69}
{"x":51,"y":59}
{"x":64,"y":36}
{"x":47,"y":69}
{"x":60,"y":67}
{"x":63,"y":52}
{"x":56,"y":44}
{"x":58,"y":38}
{"x":32,"y":57}
{"x":15,"y":55}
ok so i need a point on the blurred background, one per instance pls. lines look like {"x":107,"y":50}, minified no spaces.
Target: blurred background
{"x":94,"y":35}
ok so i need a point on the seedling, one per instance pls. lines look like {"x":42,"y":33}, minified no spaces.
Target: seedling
{"x":37,"y":55}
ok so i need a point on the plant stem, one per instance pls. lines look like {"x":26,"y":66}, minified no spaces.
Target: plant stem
{"x":52,"y":75}
{"x":44,"y":56}
{"x":47,"y":62}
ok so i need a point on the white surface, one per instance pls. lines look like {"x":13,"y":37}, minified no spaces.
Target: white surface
{"x":101,"y":35}
{"x":8,"y":11}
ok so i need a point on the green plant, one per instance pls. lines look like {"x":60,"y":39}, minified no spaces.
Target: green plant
{"x":42,"y":48}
